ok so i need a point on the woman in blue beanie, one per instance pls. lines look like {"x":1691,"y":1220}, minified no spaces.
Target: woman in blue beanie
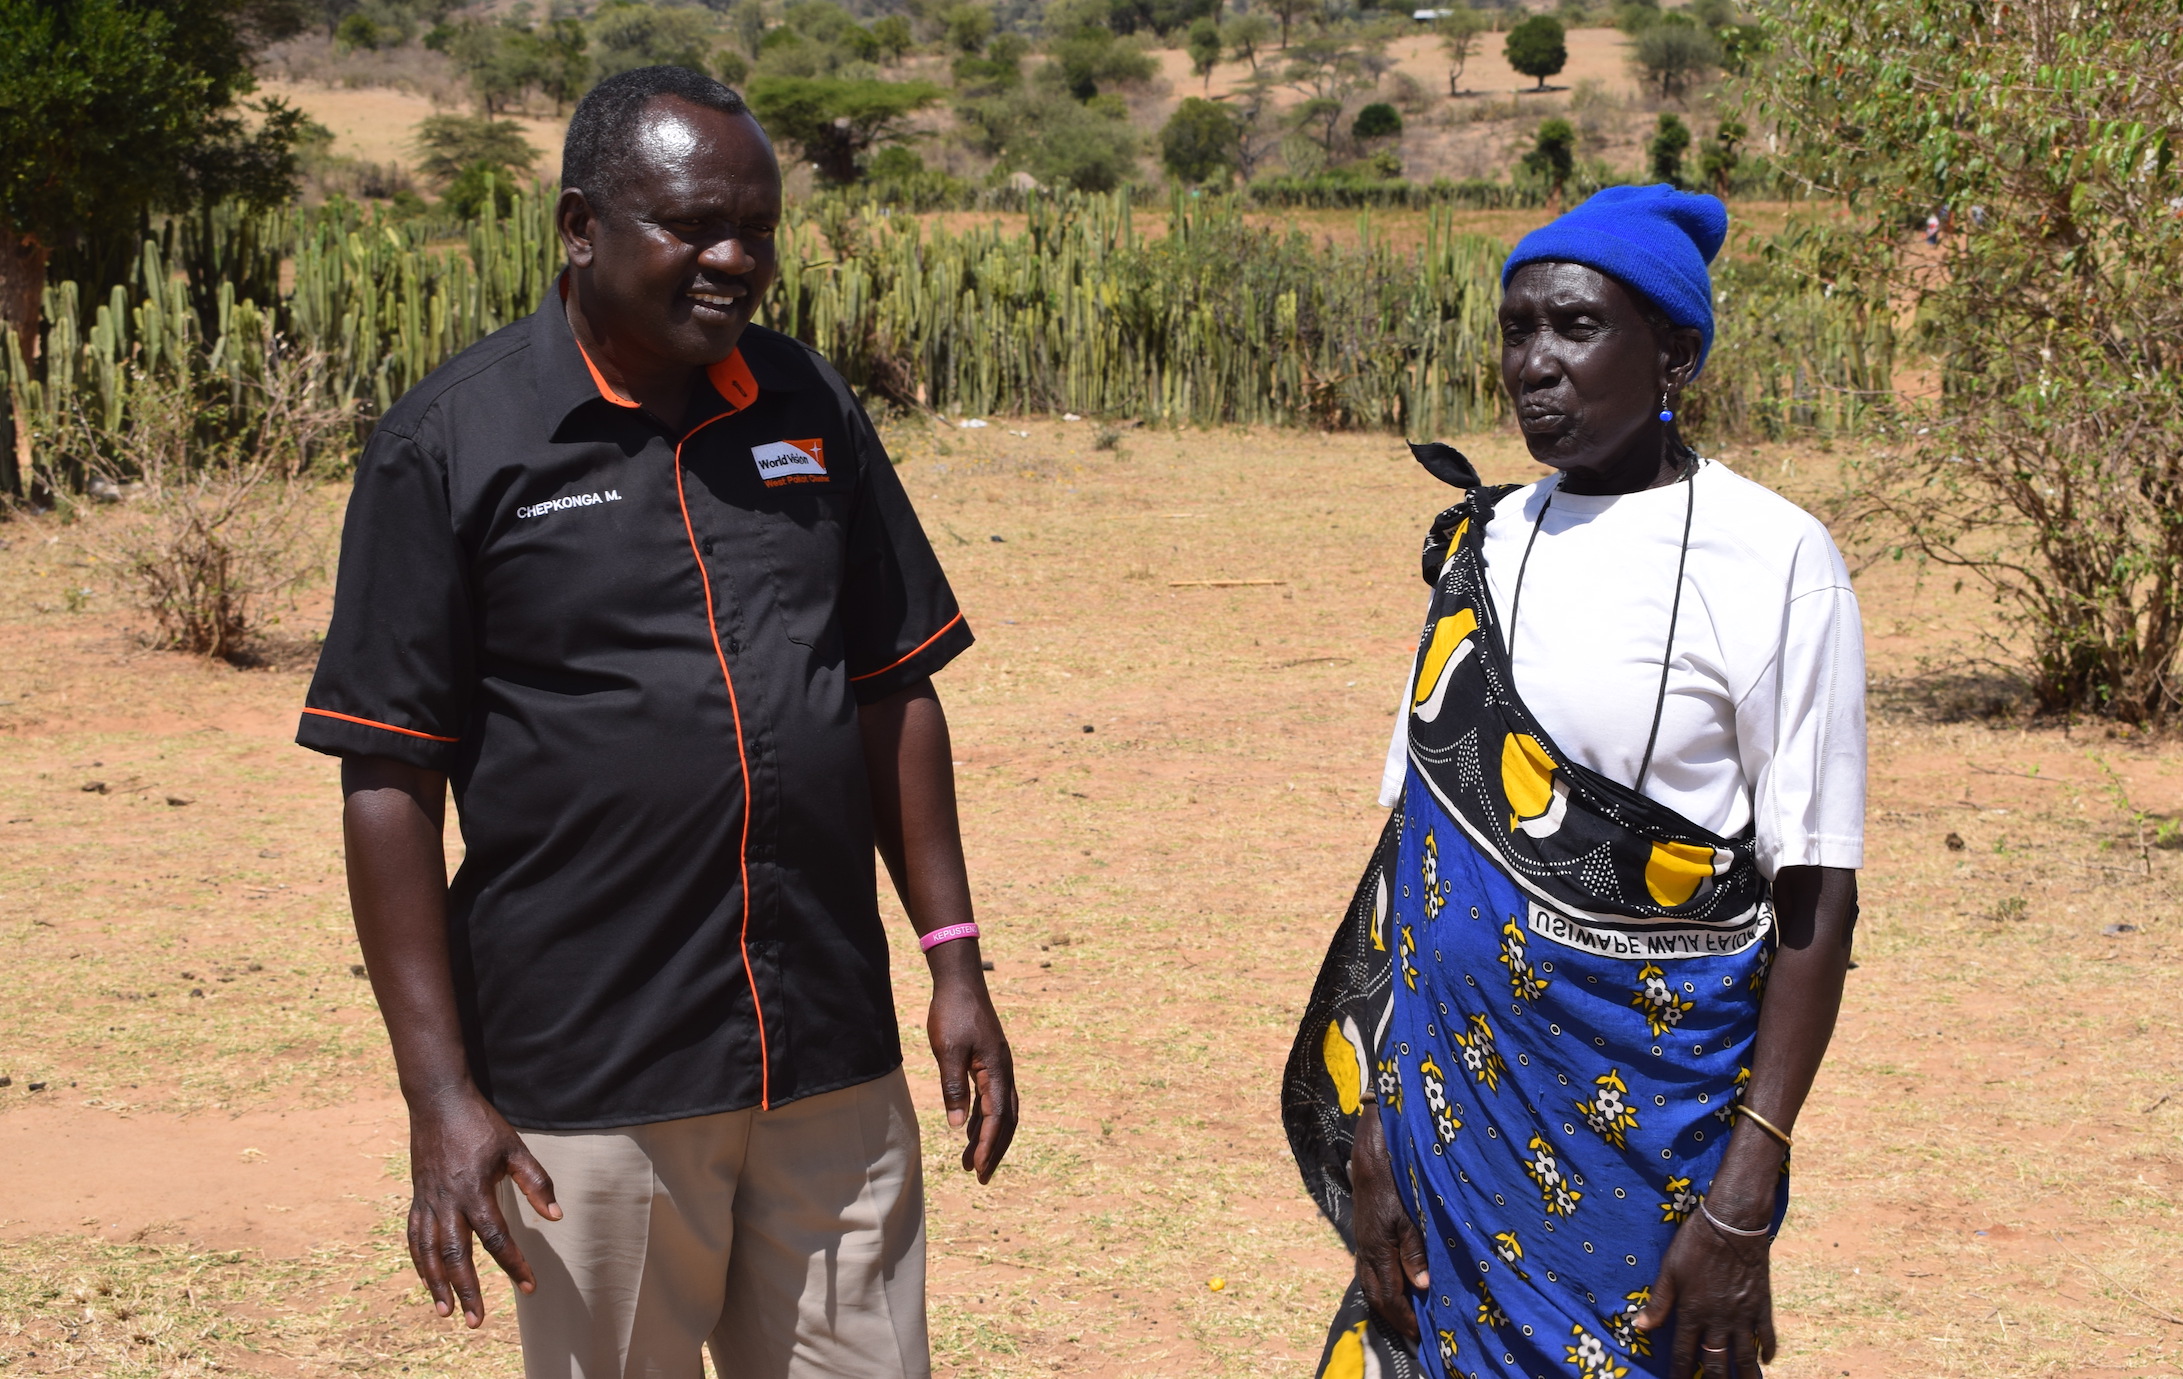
{"x":1548,"y":1079}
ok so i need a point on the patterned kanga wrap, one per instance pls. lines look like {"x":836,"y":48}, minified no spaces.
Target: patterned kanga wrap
{"x":1554,"y":985}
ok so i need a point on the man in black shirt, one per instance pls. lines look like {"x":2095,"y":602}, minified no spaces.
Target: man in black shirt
{"x":637,"y":579}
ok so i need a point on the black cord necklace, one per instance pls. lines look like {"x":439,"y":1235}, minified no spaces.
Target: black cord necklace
{"x":1675,"y":606}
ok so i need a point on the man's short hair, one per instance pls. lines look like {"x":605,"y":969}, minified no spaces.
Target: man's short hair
{"x":601,"y":134}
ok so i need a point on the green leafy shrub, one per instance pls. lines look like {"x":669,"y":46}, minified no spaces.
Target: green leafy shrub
{"x":1721,"y":156}
{"x":1664,"y":151}
{"x":2047,"y":465}
{"x":1198,"y":143}
{"x":477,"y":190}
{"x":1091,"y":59}
{"x":1553,"y":155}
{"x":896,"y":176}
{"x":626,"y":35}
{"x":1378,"y":120}
{"x":357,"y":31}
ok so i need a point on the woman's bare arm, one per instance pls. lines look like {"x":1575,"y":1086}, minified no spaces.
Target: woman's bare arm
{"x":1717,"y":1284}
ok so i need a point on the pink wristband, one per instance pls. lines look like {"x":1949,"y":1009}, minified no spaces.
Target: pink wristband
{"x":952,"y":932}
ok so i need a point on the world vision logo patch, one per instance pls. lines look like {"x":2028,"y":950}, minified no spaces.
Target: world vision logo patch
{"x":791,"y":462}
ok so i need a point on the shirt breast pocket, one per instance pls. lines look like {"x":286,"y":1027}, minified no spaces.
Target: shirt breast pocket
{"x":806,"y":555}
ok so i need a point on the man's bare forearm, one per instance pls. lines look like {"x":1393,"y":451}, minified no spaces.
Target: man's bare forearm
{"x":392,"y":819}
{"x":907,"y":763}
{"x":907,"y":756}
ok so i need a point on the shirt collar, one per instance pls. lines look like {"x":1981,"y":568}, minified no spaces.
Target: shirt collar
{"x":569,"y":379}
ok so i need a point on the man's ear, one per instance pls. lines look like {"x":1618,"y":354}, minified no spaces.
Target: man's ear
{"x":578,"y":224}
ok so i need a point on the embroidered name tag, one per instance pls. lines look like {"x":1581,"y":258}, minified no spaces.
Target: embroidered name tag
{"x":574,"y":500}
{"x":791,"y":462}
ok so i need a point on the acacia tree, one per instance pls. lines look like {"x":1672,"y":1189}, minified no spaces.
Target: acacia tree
{"x":1538,"y":47}
{"x":1257,"y":132}
{"x":1292,"y":10}
{"x":2049,"y":467}
{"x":450,"y":145}
{"x":1459,"y":29}
{"x":1327,"y":69}
{"x":1204,"y":48}
{"x":1245,"y":35}
{"x":837,"y":120}
{"x":1673,"y":54}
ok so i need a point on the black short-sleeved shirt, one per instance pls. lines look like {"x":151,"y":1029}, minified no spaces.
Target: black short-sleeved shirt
{"x":638,"y":658}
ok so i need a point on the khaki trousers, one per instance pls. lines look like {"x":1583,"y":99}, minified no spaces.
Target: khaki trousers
{"x":790,"y":1240}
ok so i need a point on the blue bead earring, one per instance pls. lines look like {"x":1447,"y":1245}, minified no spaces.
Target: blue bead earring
{"x":1665,"y":414}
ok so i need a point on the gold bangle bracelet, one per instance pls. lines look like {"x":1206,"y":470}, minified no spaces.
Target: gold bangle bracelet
{"x":1764,"y":1124}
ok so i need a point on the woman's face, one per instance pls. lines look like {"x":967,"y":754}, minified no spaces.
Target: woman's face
{"x":1584,"y":367}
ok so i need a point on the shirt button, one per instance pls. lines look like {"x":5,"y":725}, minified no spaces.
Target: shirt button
{"x":707,"y":547}
{"x":734,"y":647}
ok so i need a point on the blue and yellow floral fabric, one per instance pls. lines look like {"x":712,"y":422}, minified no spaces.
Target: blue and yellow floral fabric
{"x":1553,"y":984}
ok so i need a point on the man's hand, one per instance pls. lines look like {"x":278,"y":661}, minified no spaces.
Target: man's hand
{"x":907,"y":758}
{"x":458,"y":1153}
{"x":1390,"y":1252}
{"x":459,"y":1147}
{"x":977,"y":1072}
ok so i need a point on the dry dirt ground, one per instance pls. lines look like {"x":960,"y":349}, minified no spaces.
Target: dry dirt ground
{"x":201,"y":1154}
{"x":379,"y":123}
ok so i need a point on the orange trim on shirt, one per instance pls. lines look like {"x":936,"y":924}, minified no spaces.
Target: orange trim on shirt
{"x":606,"y":389}
{"x":742,"y":757}
{"x":352,"y":718}
{"x":731,"y":378}
{"x":919,"y":647}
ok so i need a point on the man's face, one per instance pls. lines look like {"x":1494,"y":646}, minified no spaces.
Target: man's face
{"x":674,"y":267}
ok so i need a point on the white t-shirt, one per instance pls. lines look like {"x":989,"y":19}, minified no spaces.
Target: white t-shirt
{"x":1764,"y":719}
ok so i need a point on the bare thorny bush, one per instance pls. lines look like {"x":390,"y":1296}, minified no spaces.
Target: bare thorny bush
{"x":217,"y":518}
{"x":2049,"y":467}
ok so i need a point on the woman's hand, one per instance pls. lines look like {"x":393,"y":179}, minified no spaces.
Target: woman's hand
{"x":1719,"y":1286}
{"x":1719,"y":1289}
{"x":1390,"y":1252}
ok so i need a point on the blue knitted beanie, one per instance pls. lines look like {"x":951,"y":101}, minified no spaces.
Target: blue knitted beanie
{"x":1655,"y":240}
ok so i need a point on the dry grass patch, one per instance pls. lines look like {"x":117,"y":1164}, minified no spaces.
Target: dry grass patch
{"x":173,"y":1310}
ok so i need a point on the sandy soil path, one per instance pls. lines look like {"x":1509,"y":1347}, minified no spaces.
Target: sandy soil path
{"x":277,"y":1182}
